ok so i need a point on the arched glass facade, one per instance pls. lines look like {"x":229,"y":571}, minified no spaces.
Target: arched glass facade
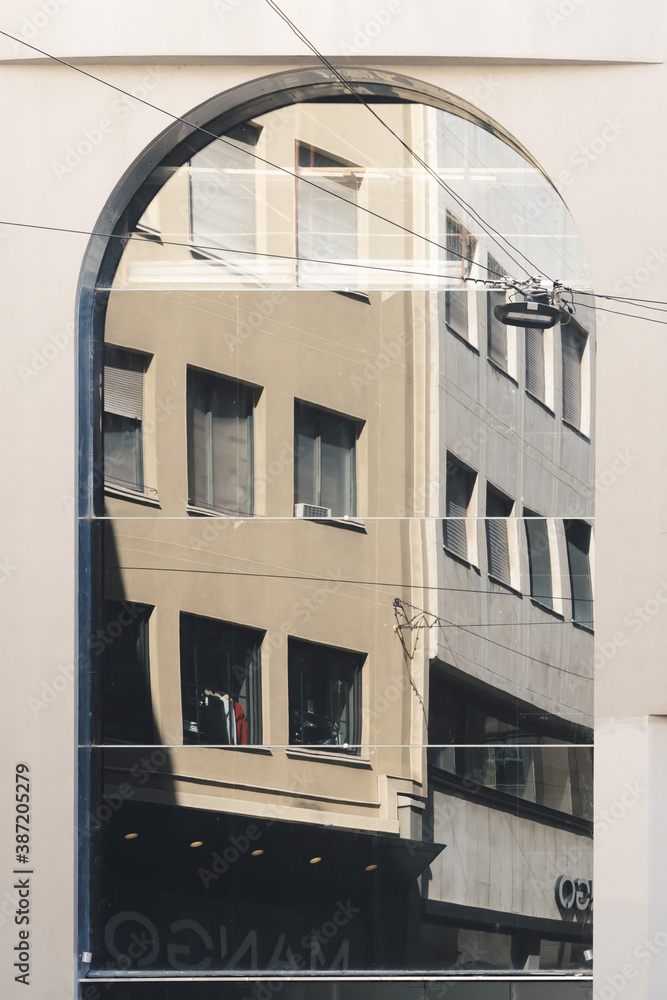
{"x":337,"y":545}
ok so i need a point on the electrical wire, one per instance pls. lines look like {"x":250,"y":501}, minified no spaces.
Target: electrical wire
{"x":138,"y":237}
{"x":615,"y":312}
{"x":439,"y":622}
{"x":395,"y":585}
{"x":460,"y":201}
{"x":248,"y":152}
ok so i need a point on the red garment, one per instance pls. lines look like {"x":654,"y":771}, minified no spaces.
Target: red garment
{"x":241,"y":724}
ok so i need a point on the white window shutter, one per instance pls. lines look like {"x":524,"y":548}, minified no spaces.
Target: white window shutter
{"x":124,"y":392}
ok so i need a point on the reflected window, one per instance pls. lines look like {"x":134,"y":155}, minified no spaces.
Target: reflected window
{"x":324,"y":463}
{"x":578,"y":536}
{"x":460,"y":714}
{"x":220,"y":682}
{"x":324,"y":696}
{"x":539,"y":558}
{"x":460,"y":249}
{"x":326,"y":212}
{"x":498,"y":510}
{"x":123,"y":418}
{"x":535,"y":370}
{"x":458,"y":505}
{"x":496,"y":332}
{"x":121,"y":645}
{"x":220,"y":443}
{"x":573,"y":344}
{"x":223,"y":196}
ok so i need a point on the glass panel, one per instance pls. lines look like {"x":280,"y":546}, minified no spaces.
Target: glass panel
{"x":370,"y":756}
{"x":578,"y":541}
{"x":539,"y":557}
{"x":123,"y":451}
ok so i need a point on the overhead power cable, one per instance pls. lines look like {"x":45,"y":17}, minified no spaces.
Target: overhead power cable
{"x":355,"y":583}
{"x":487,"y":227}
{"x":129,"y":238}
{"x":248,"y":152}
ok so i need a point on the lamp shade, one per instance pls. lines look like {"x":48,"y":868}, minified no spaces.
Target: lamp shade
{"x":535,"y":314}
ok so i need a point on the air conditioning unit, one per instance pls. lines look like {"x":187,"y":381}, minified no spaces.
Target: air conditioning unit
{"x":311,"y":510}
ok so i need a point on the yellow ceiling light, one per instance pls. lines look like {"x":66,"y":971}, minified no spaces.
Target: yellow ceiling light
{"x":370,"y":868}
{"x":257,"y":853}
{"x":196,"y":843}
{"x":131,"y":836}
{"x":315,"y":861}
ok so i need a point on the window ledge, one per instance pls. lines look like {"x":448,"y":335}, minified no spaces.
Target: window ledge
{"x":195,"y":511}
{"x":502,"y":371}
{"x":460,"y":559}
{"x":545,"y":607}
{"x":577,"y":430}
{"x":464,"y":340}
{"x":350,"y":294}
{"x":350,"y":759}
{"x":506,"y":586}
{"x":584,"y":628}
{"x":540,"y":402}
{"x":351,"y":523}
{"x":126,"y":493}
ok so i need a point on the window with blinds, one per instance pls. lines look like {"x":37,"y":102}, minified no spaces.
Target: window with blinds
{"x":223,"y":196}
{"x":573,"y":344}
{"x":539,"y":558}
{"x":535,"y":371}
{"x":220,"y":443}
{"x":459,"y":252}
{"x":123,"y":416}
{"x":324,"y":460}
{"x":327,"y":216}
{"x":496,"y":332}
{"x":578,"y":537}
{"x":498,"y":509}
{"x":460,"y":487}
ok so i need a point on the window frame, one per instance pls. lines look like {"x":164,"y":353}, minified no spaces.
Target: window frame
{"x":570,"y":525}
{"x":248,"y":395}
{"x":129,"y":398}
{"x":509,"y":519}
{"x":189,"y":624}
{"x":469,"y":523}
{"x":355,"y":665}
{"x":355,"y":428}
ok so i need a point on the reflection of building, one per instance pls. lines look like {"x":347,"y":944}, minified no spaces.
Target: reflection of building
{"x":285,"y":609}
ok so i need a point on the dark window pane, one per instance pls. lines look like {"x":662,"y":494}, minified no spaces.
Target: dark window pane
{"x":539,"y":559}
{"x":578,"y":535}
{"x":122,"y":648}
{"x":220,"y":682}
{"x":324,"y":695}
